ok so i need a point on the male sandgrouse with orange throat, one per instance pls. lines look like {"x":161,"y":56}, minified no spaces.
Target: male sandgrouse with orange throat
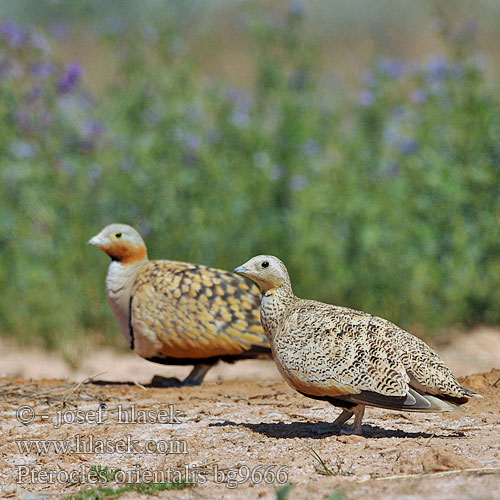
{"x":346,"y":357}
{"x":177,"y":313}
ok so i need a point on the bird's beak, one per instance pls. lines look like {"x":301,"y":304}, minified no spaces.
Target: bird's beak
{"x":240,"y":270}
{"x":95,"y":241}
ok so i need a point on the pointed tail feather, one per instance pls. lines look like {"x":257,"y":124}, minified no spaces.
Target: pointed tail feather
{"x":412,"y":401}
{"x":470,"y":393}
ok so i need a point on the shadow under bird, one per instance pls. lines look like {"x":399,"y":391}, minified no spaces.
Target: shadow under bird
{"x":176,"y":313}
{"x":349,"y":358}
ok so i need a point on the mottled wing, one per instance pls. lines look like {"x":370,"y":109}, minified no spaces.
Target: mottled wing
{"x":332,"y":351}
{"x":427,"y":371}
{"x":188,"y":311}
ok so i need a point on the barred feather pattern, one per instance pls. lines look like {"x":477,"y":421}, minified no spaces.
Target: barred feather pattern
{"x":336,"y":347}
{"x":191,"y":311}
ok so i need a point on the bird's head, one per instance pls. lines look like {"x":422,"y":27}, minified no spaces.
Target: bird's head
{"x":121,"y":242}
{"x":267,"y":271}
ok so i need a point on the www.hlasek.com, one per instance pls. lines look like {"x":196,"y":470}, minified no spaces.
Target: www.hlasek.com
{"x":231,"y":478}
{"x":89,"y":444}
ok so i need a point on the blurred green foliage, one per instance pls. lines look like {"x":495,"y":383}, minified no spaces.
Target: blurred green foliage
{"x":383,"y":198}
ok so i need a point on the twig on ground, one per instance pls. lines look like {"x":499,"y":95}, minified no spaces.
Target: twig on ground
{"x":480,"y":471}
{"x":79,"y":384}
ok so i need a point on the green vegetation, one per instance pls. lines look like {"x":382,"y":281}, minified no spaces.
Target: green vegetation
{"x":283,"y":491}
{"x":337,"y":470}
{"x":382,"y":196}
{"x":110,"y":492}
{"x":336,"y":496}
{"x":104,"y":474}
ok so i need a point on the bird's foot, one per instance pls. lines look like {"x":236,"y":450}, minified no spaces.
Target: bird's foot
{"x":351,"y":435}
{"x":190,"y":382}
{"x":159,"y":381}
{"x":352,"y":431}
{"x":194,"y":378}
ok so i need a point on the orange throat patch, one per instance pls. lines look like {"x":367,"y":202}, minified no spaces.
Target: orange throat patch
{"x":126,"y":254}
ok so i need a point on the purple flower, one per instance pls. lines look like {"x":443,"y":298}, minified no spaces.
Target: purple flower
{"x":34,"y":93}
{"x":419,"y":96}
{"x":43,"y":70}
{"x":392,"y":170}
{"x":240,"y":99}
{"x":239,"y":118}
{"x":404,"y":144}
{"x":70,"y":78}
{"x":297,"y":7}
{"x":311,"y":147}
{"x":408,"y":146}
{"x":95,"y":172}
{"x":242,"y":105}
{"x":438,"y":69}
{"x":13,"y":33}
{"x":298,"y":183}
{"x":23,"y":149}
{"x":91,"y":131}
{"x":93,"y":128}
{"x":366,"y":98}
{"x":23,"y":118}
{"x":38,"y":41}
{"x":392,"y":68}
{"x":193,"y":142}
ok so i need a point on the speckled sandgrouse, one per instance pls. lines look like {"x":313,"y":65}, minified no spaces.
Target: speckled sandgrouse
{"x":346,"y":357}
{"x":177,"y":313}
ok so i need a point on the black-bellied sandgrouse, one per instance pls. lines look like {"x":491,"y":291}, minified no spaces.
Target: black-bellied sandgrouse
{"x":177,"y":313}
{"x":346,"y":357}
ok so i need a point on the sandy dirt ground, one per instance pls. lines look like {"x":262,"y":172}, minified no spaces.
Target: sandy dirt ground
{"x":240,"y":435}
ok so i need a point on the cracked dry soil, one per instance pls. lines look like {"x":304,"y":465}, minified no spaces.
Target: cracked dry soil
{"x":240,"y":439}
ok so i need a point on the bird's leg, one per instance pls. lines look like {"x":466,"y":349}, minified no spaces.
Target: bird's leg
{"x":194,"y":378}
{"x":198,"y":374}
{"x":358,"y":411}
{"x":343,"y":417}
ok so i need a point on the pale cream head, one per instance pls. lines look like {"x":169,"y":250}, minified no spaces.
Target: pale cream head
{"x":121,"y":242}
{"x":267,"y":271}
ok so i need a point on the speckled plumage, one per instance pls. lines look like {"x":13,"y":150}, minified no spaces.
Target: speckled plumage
{"x":195,"y":311}
{"x":180,"y":313}
{"x":348,"y":357}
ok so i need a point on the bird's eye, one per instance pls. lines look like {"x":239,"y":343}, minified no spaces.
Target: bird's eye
{"x":265,"y":264}
{"x":118,"y":235}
